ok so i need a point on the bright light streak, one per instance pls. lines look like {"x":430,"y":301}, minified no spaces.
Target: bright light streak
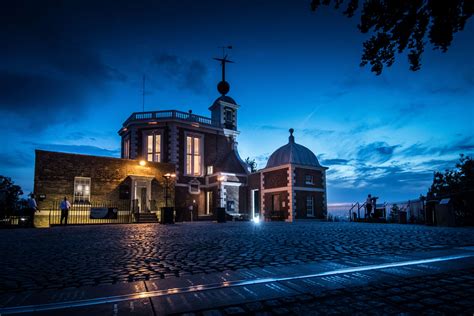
{"x":256,"y":219}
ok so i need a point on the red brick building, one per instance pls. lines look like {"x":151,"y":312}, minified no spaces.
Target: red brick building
{"x":291,"y":186}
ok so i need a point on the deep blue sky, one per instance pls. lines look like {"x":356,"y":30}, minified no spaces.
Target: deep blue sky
{"x":70,"y":74}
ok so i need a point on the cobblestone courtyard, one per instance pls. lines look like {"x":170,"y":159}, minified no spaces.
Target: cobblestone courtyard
{"x":74,"y":256}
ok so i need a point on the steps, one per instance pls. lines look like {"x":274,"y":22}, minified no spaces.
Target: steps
{"x":147,"y":218}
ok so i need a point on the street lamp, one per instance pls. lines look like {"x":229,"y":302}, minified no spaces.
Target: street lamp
{"x":168,"y":176}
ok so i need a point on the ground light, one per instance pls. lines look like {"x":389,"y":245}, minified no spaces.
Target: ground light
{"x":256,"y":219}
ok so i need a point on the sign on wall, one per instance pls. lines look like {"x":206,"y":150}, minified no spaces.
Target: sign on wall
{"x":103,"y":213}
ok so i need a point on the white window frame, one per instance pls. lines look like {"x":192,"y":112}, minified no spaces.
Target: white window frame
{"x":210,"y":170}
{"x":310,"y":205}
{"x":154,"y":152}
{"x":82,"y":184}
{"x":192,"y":155}
{"x":309,"y":179}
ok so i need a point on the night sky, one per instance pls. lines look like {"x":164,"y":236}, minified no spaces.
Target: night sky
{"x":71,"y":73}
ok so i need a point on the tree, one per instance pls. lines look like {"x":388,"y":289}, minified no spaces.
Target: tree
{"x":397,"y":25}
{"x":9,"y":196}
{"x":251,"y":163}
{"x":458,"y":185}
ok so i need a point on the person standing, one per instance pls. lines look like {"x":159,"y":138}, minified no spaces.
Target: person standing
{"x":65,"y":207}
{"x":32,"y":208}
{"x":368,"y":205}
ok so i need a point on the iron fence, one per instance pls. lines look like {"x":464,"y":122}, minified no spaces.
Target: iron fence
{"x":109,"y":212}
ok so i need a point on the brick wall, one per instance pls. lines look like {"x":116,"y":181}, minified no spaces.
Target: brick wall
{"x":276,"y":178}
{"x":318,"y":200}
{"x":55,"y":172}
{"x":300,"y":177}
{"x":284,"y":199}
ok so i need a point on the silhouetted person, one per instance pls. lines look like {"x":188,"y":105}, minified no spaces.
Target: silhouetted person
{"x":32,"y":208}
{"x":368,"y":205}
{"x":65,"y":207}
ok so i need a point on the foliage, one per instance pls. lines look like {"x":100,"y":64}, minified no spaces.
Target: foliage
{"x":251,"y":163}
{"x":397,"y":25}
{"x":9,"y":197}
{"x":458,"y":185}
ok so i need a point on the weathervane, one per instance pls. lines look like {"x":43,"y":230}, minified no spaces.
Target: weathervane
{"x":223,"y":86}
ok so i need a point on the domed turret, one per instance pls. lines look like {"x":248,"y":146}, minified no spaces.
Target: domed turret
{"x":292,"y":153}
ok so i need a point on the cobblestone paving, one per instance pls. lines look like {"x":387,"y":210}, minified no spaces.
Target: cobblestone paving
{"x":442,"y":294}
{"x":60,"y":257}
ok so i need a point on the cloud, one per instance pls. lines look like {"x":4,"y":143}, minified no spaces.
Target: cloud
{"x":186,"y":74}
{"x":462,"y":146}
{"x":48,"y":70}
{"x":15,"y":159}
{"x":377,"y":152}
{"x":336,"y":161}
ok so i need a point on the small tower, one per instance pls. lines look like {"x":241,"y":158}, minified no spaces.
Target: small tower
{"x":224,"y":109}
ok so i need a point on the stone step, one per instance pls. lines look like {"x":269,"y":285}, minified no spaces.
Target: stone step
{"x":147,"y":218}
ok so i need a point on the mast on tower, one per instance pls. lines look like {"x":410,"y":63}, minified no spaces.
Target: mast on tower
{"x":223,"y":86}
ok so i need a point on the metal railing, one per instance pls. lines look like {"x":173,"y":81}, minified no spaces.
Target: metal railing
{"x":110,"y":212}
{"x":170,"y":114}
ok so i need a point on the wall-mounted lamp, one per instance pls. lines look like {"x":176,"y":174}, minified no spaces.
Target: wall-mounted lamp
{"x":142,"y":163}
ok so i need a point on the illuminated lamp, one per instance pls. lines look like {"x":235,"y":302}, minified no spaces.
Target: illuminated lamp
{"x":142,"y":163}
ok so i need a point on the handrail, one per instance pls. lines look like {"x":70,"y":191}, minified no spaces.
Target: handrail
{"x":170,"y":114}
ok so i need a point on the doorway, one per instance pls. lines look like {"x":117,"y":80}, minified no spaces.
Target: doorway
{"x":255,"y":203}
{"x":141,"y":194}
{"x":209,"y":204}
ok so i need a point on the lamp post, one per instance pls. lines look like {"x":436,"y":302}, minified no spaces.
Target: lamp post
{"x":220,"y":211}
{"x":167,"y":178}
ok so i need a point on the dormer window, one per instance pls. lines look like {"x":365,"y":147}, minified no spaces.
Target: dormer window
{"x":309,"y":179}
{"x":153,"y":146}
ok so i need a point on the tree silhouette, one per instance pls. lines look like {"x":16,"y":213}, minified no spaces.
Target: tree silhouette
{"x":9,"y":196}
{"x":397,"y":25}
{"x":251,"y":163}
{"x":458,"y":185}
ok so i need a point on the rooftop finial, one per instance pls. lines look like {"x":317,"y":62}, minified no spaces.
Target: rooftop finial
{"x":291,"y":138}
{"x":223,"y":86}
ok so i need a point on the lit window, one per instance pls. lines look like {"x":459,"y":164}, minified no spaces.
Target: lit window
{"x":153,"y":147}
{"x":309,"y":179}
{"x":193,"y":155}
{"x":82,"y":189}
{"x":309,"y":205}
{"x":126,"y":147}
{"x":210,"y":170}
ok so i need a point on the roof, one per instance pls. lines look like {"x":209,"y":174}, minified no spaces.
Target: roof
{"x":222,"y":98}
{"x":292,"y":153}
{"x":231,"y":163}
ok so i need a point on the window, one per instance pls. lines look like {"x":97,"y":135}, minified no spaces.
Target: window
{"x":210,"y":170}
{"x":193,"y":155}
{"x":153,"y":147}
{"x":82,"y":189}
{"x":126,"y":147}
{"x":310,"y":205}
{"x":228,"y":115}
{"x":309,"y":179}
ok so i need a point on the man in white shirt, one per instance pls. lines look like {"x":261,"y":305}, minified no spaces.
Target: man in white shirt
{"x":65,"y":207}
